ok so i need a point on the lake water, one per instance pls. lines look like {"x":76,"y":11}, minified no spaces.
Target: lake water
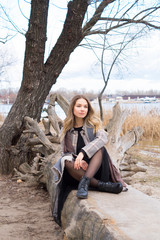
{"x":5,"y":108}
{"x":144,"y":108}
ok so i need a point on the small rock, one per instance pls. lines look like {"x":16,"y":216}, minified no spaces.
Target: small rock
{"x":149,"y":192}
{"x":19,"y":181}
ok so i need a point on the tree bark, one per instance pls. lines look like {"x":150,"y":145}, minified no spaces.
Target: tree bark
{"x":118,"y":144}
{"x":39,"y":77}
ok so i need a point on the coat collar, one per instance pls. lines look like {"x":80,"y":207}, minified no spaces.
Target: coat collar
{"x":84,"y":128}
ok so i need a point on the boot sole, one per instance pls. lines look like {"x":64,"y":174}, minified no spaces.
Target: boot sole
{"x":81,"y":197}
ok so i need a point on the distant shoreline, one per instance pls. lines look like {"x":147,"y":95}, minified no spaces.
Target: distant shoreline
{"x":107,"y":105}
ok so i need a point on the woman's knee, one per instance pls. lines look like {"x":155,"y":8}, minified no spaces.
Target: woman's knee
{"x":69,"y":164}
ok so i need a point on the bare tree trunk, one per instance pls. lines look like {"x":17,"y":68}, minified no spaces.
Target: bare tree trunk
{"x":38,"y":78}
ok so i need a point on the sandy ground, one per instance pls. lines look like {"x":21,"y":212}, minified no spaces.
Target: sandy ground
{"x":25,"y":213}
{"x":148,"y":182}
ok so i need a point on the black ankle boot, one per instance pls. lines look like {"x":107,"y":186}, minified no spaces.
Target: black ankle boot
{"x":110,"y":187}
{"x":83,"y":187}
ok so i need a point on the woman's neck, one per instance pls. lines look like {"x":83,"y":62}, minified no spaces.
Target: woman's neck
{"x":78,"y":122}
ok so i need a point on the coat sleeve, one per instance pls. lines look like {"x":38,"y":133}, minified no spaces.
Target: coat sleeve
{"x":100,"y":140}
{"x":62,"y":147}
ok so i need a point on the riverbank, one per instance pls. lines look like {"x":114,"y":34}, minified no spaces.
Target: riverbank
{"x":25,"y":212}
{"x":147,"y":152}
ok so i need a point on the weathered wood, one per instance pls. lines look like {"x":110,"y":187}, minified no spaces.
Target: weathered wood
{"x":49,"y":146}
{"x":46,"y":124}
{"x":117,"y":145}
{"x":25,"y":168}
{"x":34,"y":141}
{"x":63,"y":103}
{"x":54,"y":119}
{"x":32,"y":127}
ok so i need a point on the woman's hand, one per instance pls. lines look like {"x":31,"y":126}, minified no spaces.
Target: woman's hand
{"x":79,"y":162}
{"x":84,"y":165}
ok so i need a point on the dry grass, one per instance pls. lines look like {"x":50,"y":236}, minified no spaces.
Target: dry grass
{"x":1,"y":118}
{"x":150,"y":123}
{"x":107,"y":115}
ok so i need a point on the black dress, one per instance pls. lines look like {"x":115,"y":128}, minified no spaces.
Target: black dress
{"x":68,"y":183}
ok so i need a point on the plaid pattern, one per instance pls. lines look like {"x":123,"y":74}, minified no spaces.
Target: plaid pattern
{"x":91,"y":147}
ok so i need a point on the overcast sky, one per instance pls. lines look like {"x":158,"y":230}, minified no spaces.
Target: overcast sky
{"x":83,"y":71}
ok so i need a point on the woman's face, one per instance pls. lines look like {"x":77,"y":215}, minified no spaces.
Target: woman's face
{"x":80,"y":109}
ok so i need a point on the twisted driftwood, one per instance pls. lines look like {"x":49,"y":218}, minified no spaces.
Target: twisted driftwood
{"x":44,"y":141}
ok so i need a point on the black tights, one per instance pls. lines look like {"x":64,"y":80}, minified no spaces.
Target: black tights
{"x":93,"y":167}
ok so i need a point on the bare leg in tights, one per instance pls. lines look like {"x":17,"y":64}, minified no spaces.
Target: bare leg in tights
{"x":93,"y":167}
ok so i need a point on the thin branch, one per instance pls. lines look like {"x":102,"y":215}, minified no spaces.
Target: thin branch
{"x":127,"y":22}
{"x":7,"y":38}
{"x":10,"y":21}
{"x":120,"y":21}
{"x":123,"y":46}
{"x":141,"y":20}
{"x":130,"y":8}
{"x":102,"y":60}
{"x":27,"y":1}
{"x":152,"y":9}
{"x":96,"y":16}
{"x":21,"y":11}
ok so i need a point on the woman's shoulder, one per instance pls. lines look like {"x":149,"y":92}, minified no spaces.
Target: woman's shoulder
{"x":88,"y":127}
{"x":94,"y":127}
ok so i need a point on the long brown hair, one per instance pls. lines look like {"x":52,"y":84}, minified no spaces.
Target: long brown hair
{"x":90,"y":118}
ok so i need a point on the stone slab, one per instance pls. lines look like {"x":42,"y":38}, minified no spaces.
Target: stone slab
{"x":128,"y":215}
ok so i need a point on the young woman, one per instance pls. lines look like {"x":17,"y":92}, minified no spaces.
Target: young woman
{"x":85,"y":162}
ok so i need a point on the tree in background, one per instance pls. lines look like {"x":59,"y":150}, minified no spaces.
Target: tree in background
{"x":86,"y":21}
{"x":116,"y":54}
{"x":6,"y":61}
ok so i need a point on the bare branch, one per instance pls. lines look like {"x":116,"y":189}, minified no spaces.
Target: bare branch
{"x":33,"y":127}
{"x":129,"y":21}
{"x":96,"y":16}
{"x":21,"y":10}
{"x":121,"y":20}
{"x":10,"y":21}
